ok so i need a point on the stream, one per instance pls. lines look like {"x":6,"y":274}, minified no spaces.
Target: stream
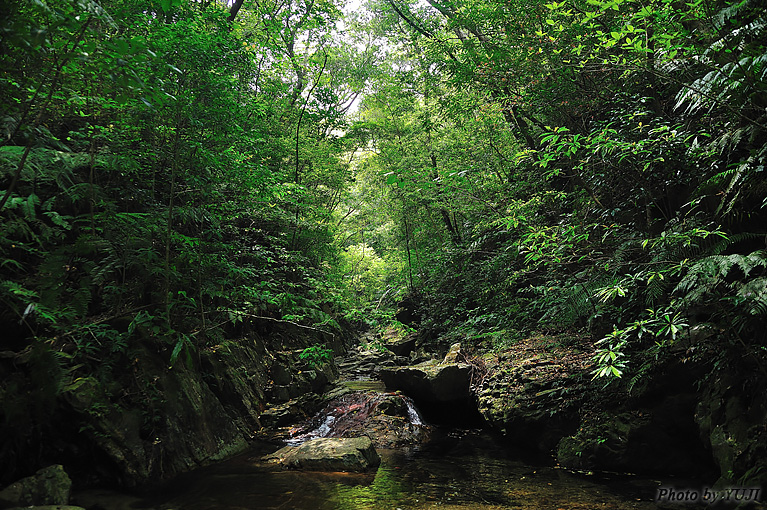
{"x":456,"y":468}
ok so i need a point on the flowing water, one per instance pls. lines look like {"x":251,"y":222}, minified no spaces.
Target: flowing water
{"x":464,"y":469}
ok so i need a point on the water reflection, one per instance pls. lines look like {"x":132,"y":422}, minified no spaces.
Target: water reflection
{"x":458,"y":471}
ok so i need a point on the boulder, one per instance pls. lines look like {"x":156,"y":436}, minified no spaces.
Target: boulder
{"x":389,"y":419}
{"x":658,"y":440}
{"x":732,"y":420}
{"x":49,"y":486}
{"x":432,"y":381}
{"x":328,"y":454}
{"x":401,"y":346}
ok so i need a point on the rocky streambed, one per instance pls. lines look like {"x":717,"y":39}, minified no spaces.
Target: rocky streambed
{"x":513,"y":428}
{"x":368,"y":447}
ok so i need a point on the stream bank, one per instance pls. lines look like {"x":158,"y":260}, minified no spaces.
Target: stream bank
{"x":528,"y":402}
{"x":439,"y":467}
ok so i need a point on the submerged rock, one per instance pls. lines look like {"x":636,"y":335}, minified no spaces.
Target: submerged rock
{"x":328,"y":454}
{"x":49,"y":486}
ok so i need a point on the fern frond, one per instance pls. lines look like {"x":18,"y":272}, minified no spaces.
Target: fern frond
{"x":754,"y":295}
{"x":707,"y":273}
{"x":719,"y":245}
{"x":656,"y":287}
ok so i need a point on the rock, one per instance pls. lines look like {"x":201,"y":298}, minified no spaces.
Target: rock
{"x":292,"y":411}
{"x":453,"y":354}
{"x":49,"y":486}
{"x":533,"y":394}
{"x":407,"y":311}
{"x":390,"y":419}
{"x":733,"y":421}
{"x":401,"y":346}
{"x":658,"y":440}
{"x":195,"y":418}
{"x":431,"y":381}
{"x":329,"y":454}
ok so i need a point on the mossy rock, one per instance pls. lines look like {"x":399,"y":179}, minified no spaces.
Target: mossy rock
{"x":651,"y":441}
{"x":734,"y":423}
{"x":329,"y":454}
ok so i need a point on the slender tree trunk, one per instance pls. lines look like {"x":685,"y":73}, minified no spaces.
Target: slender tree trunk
{"x":171,"y":204}
{"x":407,"y":247}
{"x":235,"y":10}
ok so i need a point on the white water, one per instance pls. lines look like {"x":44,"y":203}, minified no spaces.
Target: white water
{"x":412,"y":413}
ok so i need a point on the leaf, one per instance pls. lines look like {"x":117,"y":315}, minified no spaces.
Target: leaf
{"x":177,"y":349}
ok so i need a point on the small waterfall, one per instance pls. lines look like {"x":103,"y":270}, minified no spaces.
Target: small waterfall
{"x":387,"y":418}
{"x":326,"y":427}
{"x":412,"y":412}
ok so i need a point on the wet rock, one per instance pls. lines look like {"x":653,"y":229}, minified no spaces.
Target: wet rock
{"x":182,"y":418}
{"x":732,"y":419}
{"x":49,"y":486}
{"x":432,"y":381}
{"x":292,"y":411}
{"x":329,"y":454}
{"x":662,"y":440}
{"x":390,"y":419}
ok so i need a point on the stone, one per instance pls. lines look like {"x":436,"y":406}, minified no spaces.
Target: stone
{"x":389,"y":419}
{"x":328,"y":454}
{"x":401,"y":346}
{"x":49,"y":486}
{"x":658,"y":440}
{"x":431,"y":381}
{"x":732,"y":422}
{"x":453,"y":354}
{"x":292,"y":411}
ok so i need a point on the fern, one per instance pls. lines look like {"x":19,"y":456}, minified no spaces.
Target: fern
{"x":656,"y":287}
{"x":753,"y":295}
{"x":708,"y":273}
{"x":574,"y":303}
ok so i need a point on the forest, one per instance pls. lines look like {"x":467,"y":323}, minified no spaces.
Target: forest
{"x":176,"y":175}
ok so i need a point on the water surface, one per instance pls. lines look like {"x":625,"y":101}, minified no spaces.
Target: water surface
{"x":460,"y":470}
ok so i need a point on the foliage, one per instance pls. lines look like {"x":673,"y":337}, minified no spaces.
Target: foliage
{"x":557,"y":166}
{"x":174,"y":173}
{"x":316,"y":356}
{"x":167,"y":180}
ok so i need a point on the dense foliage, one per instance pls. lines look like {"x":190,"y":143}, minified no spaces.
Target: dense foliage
{"x":168,"y":176}
{"x":173,"y":172}
{"x":570,"y":166}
